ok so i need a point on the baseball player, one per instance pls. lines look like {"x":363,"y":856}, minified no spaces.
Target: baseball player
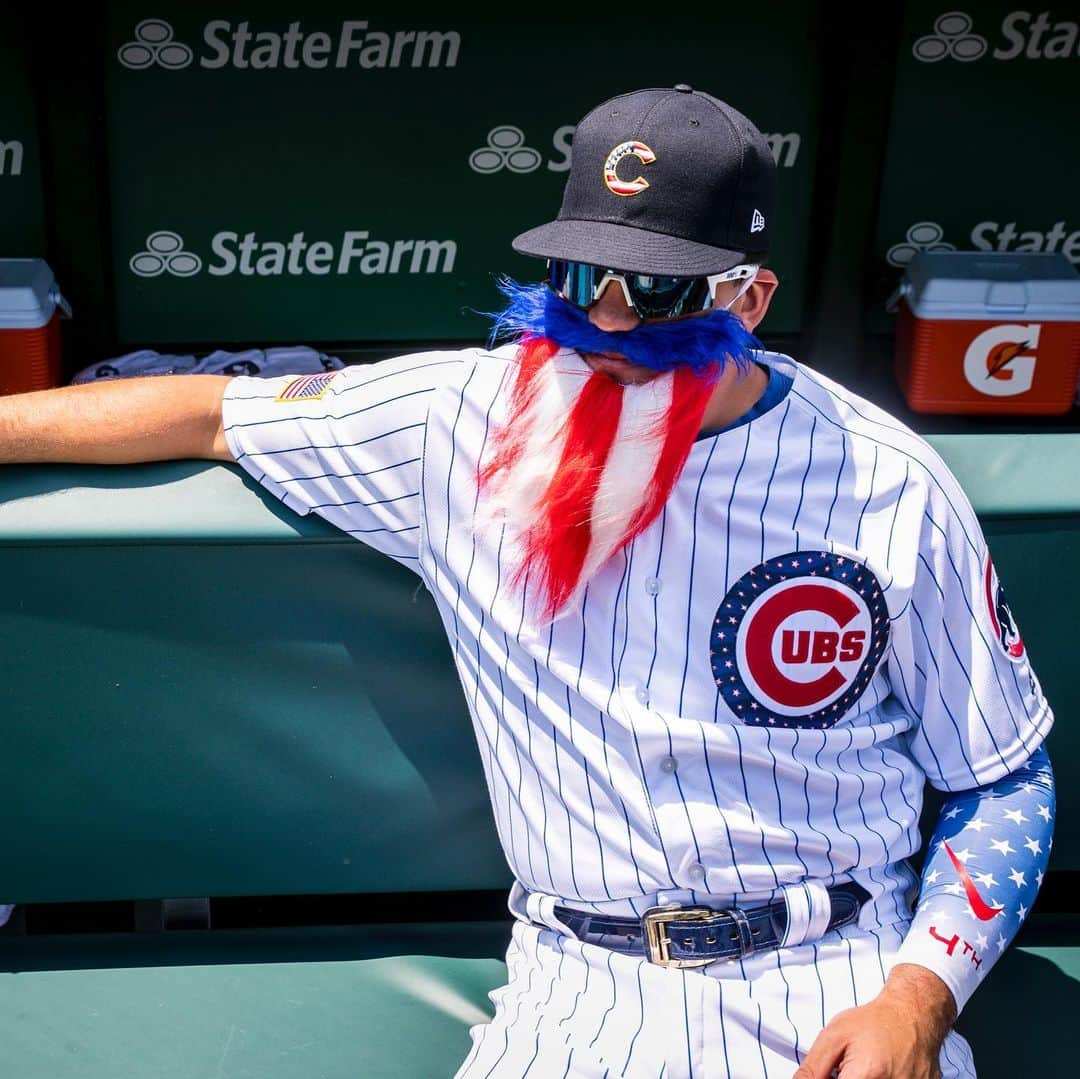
{"x":717,"y":620}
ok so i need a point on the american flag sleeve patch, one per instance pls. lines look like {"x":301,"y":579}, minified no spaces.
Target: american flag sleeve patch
{"x":307,"y":388}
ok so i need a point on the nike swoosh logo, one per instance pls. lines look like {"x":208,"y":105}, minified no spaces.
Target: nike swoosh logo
{"x":982,"y":911}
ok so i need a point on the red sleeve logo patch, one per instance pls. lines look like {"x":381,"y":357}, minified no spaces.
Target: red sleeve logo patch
{"x":1001,"y":619}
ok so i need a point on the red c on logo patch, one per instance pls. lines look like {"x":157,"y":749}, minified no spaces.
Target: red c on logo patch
{"x":759,"y":641}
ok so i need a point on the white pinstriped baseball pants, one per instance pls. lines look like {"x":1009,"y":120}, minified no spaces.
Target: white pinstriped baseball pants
{"x":579,"y":1011}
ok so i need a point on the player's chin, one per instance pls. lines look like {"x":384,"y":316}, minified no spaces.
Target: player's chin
{"x":619,"y":368}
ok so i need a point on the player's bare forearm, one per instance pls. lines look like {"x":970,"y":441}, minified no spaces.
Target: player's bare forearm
{"x":898,"y":1035}
{"x":118,"y":422}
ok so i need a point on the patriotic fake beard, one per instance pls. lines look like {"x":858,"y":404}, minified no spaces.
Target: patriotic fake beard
{"x":582,"y":464}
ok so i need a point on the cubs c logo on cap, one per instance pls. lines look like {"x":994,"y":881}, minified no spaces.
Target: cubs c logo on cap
{"x":611,"y":166}
{"x":798,"y":638}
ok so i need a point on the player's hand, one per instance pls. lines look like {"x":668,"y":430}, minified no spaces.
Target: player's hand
{"x":898,"y":1035}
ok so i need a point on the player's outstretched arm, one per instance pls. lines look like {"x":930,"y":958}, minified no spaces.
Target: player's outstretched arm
{"x":126,"y":421}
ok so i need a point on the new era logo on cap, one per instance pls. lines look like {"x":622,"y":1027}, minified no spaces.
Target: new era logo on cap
{"x":757,"y":222}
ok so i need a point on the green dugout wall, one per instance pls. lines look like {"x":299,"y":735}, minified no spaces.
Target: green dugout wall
{"x":983,"y":151}
{"x":351,"y":178}
{"x":22,"y":216}
{"x":297,"y":171}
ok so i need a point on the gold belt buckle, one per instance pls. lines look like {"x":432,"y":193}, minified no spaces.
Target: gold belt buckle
{"x":658,"y":943}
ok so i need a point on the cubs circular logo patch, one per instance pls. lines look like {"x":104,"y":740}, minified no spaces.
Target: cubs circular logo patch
{"x":798,"y":638}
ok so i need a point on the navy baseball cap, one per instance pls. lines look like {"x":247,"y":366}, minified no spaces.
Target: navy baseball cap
{"x":662,"y":181}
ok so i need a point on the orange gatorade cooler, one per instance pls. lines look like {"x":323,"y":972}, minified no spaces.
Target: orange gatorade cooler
{"x":995,"y":332}
{"x":30,"y":308}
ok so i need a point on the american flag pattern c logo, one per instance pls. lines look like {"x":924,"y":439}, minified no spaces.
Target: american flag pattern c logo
{"x":611,"y":165}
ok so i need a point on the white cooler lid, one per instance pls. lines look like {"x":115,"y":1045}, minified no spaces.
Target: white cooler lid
{"x":989,"y":285}
{"x":28,"y":294}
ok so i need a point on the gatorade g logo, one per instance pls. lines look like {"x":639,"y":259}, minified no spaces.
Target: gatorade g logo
{"x":611,"y":166}
{"x":1000,"y":361}
{"x":797,"y":640}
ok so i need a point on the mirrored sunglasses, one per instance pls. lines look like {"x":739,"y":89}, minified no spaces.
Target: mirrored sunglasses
{"x":650,"y":295}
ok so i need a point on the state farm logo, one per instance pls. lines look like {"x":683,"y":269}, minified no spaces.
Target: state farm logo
{"x":1023,"y":35}
{"x":11,"y":158}
{"x":505,"y":149}
{"x":1000,"y":362}
{"x":165,"y":254}
{"x":952,"y":37}
{"x":253,"y":256}
{"x":922,"y":236}
{"x":798,"y":638}
{"x":350,"y":44}
{"x":154,"y":44}
{"x":987,"y":236}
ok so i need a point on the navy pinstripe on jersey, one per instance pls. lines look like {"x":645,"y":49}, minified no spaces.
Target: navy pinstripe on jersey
{"x":619,"y":775}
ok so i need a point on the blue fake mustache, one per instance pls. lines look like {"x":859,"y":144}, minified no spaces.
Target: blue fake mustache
{"x":715,"y":338}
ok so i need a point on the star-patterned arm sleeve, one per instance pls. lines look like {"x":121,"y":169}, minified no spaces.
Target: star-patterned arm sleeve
{"x":983,"y":869}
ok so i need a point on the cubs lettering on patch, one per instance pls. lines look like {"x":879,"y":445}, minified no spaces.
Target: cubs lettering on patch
{"x":1001,"y":619}
{"x":307,"y":388}
{"x":798,"y":638}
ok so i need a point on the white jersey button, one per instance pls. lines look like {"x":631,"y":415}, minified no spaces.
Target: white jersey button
{"x":696,"y":872}
{"x":652,"y":585}
{"x":668,"y":764}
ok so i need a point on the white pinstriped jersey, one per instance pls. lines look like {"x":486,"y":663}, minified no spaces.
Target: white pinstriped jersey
{"x":750,"y":694}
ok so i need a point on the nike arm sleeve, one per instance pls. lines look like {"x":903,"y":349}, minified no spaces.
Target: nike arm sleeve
{"x":983,"y":869}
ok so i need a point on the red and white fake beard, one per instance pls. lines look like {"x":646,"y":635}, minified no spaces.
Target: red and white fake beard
{"x":582,"y":464}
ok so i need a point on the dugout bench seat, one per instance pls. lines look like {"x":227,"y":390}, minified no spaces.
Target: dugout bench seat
{"x":207,"y":696}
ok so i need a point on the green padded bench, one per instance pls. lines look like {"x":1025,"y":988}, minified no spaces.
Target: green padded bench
{"x":397,"y":1018}
{"x":210,"y":697}
{"x":278,"y":1005}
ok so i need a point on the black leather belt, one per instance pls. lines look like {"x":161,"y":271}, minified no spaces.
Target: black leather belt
{"x":677,"y":936}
